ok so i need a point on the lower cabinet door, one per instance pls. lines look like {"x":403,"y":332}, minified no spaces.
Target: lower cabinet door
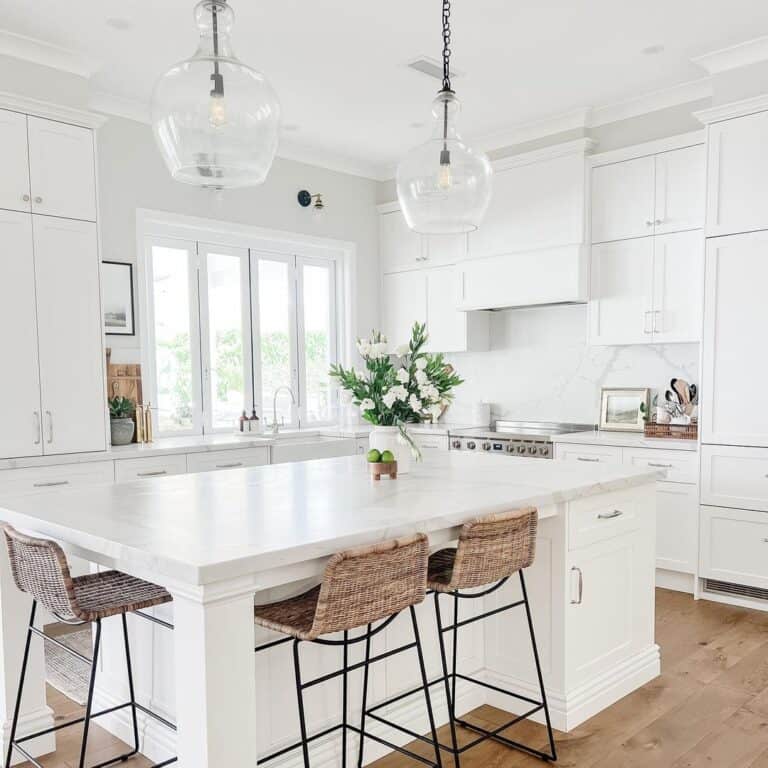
{"x":677,"y":522}
{"x":734,"y":546}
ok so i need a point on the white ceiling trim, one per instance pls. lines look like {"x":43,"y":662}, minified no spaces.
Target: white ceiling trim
{"x":652,"y":102}
{"x":519,"y":134}
{"x":16,"y":103}
{"x":46,"y":54}
{"x":741,"y":55}
{"x":734,"y":109}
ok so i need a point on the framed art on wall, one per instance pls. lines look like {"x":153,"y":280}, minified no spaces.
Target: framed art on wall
{"x":117,"y":287}
{"x":620,"y":409}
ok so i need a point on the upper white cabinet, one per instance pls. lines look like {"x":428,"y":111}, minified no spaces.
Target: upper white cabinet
{"x":737,"y":181}
{"x":735,"y":319}
{"x":14,"y":160}
{"x":431,"y":296}
{"x":654,"y":194}
{"x":70,"y":335}
{"x":21,"y":433}
{"x":538,"y":202}
{"x":647,"y":290}
{"x":61,"y":169}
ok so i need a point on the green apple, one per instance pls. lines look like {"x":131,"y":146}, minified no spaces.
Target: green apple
{"x":387,"y":457}
{"x":374,"y":456}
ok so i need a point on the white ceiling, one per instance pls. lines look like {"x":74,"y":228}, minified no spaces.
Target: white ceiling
{"x":339,"y":66}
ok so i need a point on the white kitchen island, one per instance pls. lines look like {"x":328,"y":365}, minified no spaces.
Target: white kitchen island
{"x":218,"y":540}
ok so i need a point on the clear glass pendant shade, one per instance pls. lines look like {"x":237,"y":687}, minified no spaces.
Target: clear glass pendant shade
{"x":215,"y":119}
{"x":444,"y":187}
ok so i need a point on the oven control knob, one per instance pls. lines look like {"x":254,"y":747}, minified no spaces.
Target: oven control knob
{"x":456,"y":443}
{"x":510,"y":449}
{"x":544,"y":450}
{"x":486,"y":446}
{"x":471,"y":445}
{"x":521,"y":449}
{"x":532,"y":450}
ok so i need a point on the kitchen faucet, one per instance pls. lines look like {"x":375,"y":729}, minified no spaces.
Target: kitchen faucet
{"x":275,"y":425}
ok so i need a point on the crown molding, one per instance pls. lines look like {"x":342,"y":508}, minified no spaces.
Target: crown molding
{"x":735,"y":109}
{"x":46,"y":54}
{"x":46,"y":109}
{"x":537,"y":129}
{"x":119,"y":106}
{"x":576,"y":147}
{"x":667,"y":144}
{"x":684,"y":93}
{"x":741,"y":55}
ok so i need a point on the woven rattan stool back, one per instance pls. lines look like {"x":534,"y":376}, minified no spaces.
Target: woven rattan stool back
{"x":494,"y":547}
{"x":363,"y":585}
{"x":39,"y":568}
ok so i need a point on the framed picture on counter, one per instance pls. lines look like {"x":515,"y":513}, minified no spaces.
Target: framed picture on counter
{"x":620,"y":409}
{"x":117,"y":288}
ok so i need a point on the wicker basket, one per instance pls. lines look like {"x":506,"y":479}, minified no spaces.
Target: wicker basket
{"x":673,"y":431}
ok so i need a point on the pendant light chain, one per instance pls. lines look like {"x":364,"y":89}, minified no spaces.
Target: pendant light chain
{"x":447,"y":45}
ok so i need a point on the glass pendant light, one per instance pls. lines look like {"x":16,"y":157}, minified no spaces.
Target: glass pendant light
{"x":215,"y":119}
{"x":444,"y":186}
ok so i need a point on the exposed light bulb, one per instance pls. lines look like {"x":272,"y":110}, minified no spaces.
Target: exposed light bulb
{"x":217,"y":111}
{"x":445,"y":174}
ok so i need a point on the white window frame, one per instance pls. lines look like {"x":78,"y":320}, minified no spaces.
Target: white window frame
{"x":176,"y":230}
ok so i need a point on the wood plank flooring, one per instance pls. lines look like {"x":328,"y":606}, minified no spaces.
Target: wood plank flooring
{"x":708,"y":708}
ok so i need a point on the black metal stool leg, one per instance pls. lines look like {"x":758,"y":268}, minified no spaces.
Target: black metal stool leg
{"x":131,"y":691}
{"x":446,"y":680}
{"x":345,"y":687}
{"x":300,"y":699}
{"x":17,"y":707}
{"x":91,"y":685}
{"x":361,"y":747}
{"x":425,"y":683}
{"x":538,"y":667}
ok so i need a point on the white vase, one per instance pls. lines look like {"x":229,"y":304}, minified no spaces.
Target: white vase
{"x":389,"y":439}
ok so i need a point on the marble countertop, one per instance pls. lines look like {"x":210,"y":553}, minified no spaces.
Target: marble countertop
{"x":626,"y":440}
{"x":201,"y":528}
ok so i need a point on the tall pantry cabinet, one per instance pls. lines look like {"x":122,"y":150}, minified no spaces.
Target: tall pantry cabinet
{"x":734,"y":420}
{"x":52,"y":397}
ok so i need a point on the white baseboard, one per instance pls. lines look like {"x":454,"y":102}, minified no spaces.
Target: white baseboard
{"x":30,"y":722}
{"x":569,"y":710}
{"x":678,"y":582}
{"x":158,"y":743}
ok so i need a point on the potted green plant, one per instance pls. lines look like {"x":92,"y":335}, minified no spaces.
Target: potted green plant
{"x":398,"y":387}
{"x":121,"y":423}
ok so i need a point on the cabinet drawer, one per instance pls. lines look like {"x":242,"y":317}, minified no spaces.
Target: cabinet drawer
{"x":734,"y":546}
{"x":677,"y":524}
{"x":734,"y":477}
{"x":39,"y":479}
{"x":127,"y":470}
{"x":431,"y":443}
{"x":602,"y":517}
{"x":588,"y":454}
{"x":679,"y":466}
{"x":215,"y":460}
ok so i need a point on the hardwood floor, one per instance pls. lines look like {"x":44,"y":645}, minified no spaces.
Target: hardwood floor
{"x":708,"y":708}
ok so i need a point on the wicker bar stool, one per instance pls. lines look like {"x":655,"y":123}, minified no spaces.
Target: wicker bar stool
{"x":361,"y":587}
{"x":490,"y":551}
{"x":39,"y":568}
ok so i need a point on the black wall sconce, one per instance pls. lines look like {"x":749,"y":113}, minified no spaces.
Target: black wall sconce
{"x":316,"y":201}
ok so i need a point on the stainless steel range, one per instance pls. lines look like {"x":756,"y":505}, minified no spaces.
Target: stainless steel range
{"x":532,"y":439}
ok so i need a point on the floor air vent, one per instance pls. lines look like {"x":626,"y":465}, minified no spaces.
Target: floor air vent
{"x":724,"y":587}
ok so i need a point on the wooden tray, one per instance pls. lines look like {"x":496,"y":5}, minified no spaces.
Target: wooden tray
{"x":672,"y":431}
{"x":379,"y":468}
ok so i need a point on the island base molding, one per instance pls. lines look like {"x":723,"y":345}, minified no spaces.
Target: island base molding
{"x":30,"y":722}
{"x":570,"y":710}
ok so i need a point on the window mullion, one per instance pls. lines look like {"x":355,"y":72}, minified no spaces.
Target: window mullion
{"x":297,"y":353}
{"x":203,"y":369}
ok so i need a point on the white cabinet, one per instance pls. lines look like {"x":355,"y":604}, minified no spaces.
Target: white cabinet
{"x":623,"y":199}
{"x":61,"y":169}
{"x":290,"y":450}
{"x":401,"y":248}
{"x":211,"y":461}
{"x":70,"y":335}
{"x":737,"y":179}
{"x":735,"y":318}
{"x":677,"y":524}
{"x":588,"y":454}
{"x":734,"y":477}
{"x":429,"y":444}
{"x":621,"y":303}
{"x":734,"y":546}
{"x":146,"y":468}
{"x":678,"y":466}
{"x":21,"y":432}
{"x":655,"y":194}
{"x":647,"y":290}
{"x":14,"y":180}
{"x":431,"y":296}
{"x":55,"y":478}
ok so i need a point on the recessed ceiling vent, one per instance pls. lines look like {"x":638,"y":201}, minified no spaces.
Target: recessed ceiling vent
{"x":431,"y":67}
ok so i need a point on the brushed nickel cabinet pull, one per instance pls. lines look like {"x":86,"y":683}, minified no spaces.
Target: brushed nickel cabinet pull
{"x":610,"y":515}
{"x":38,"y":199}
{"x":660,"y":466}
{"x":38,"y":428}
{"x":156,"y":473}
{"x":586,"y":458}
{"x":25,"y":198}
{"x":50,"y":426}
{"x":579,"y":599}
{"x":51,"y":484}
{"x":230,"y":466}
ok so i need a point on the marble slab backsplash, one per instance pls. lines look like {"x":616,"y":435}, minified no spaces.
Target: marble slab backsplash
{"x":541,"y":368}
